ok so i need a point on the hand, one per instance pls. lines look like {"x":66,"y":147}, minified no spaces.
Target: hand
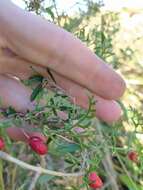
{"x":27,"y":40}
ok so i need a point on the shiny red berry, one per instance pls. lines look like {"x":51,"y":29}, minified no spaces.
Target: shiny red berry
{"x":133,"y":156}
{"x":1,"y":143}
{"x":95,"y":181}
{"x":38,"y":145}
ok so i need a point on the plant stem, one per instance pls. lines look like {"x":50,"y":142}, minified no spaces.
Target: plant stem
{"x":107,"y":162}
{"x":41,"y":170}
{"x":34,"y":181}
{"x":1,"y":176}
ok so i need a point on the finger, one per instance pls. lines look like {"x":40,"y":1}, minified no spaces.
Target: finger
{"x":107,"y":110}
{"x":74,"y":60}
{"x":15,"y":94}
{"x":19,"y":67}
{"x":18,"y":134}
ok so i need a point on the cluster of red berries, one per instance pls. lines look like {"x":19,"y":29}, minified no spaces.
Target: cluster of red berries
{"x":40,"y":147}
{"x":94,"y":181}
{"x":36,"y":143}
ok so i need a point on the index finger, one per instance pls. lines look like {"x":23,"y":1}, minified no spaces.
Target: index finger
{"x":48,"y":45}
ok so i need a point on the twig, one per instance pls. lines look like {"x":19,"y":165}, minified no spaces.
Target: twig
{"x":107,"y":184}
{"x":55,"y":6}
{"x":85,"y":157}
{"x":107,"y":162}
{"x":34,"y":181}
{"x":1,"y":176}
{"x":126,"y":171}
{"x":41,"y":170}
{"x":66,"y":139}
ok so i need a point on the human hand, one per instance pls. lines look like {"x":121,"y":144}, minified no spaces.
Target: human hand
{"x":27,"y":40}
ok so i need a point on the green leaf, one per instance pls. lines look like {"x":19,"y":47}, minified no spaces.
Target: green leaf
{"x":62,"y":149}
{"x":50,"y":12}
{"x":68,"y":148}
{"x":36,"y":78}
{"x":9,"y":111}
{"x":36,"y":91}
{"x":130,"y":183}
{"x":44,"y":179}
{"x":5,"y":124}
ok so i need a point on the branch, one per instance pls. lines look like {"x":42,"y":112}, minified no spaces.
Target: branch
{"x":55,"y":6}
{"x":34,"y":181}
{"x":107,"y":162}
{"x":41,"y":170}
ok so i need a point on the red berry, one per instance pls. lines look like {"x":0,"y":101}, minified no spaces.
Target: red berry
{"x":133,"y":156}
{"x":1,"y":143}
{"x":95,"y":181}
{"x":38,"y":145}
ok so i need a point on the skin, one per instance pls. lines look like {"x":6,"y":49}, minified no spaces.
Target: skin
{"x":43,"y":44}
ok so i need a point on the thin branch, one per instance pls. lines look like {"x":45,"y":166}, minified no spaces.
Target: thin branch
{"x":41,"y":170}
{"x":107,"y":162}
{"x":66,"y":139}
{"x":127,"y":173}
{"x":55,"y":6}
{"x":34,"y":181}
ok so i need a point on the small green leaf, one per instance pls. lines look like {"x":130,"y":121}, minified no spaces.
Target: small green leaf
{"x":62,"y":149}
{"x":50,"y":12}
{"x":9,"y":111}
{"x":44,"y":179}
{"x":36,"y":91}
{"x":36,"y":78}
{"x":5,"y":124}
{"x":130,"y":183}
{"x":71,"y":148}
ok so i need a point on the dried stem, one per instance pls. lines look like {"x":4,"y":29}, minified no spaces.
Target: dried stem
{"x":107,"y":162}
{"x":34,"y":181}
{"x":41,"y":170}
{"x":55,"y":6}
{"x":1,"y":176}
{"x":66,"y":139}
